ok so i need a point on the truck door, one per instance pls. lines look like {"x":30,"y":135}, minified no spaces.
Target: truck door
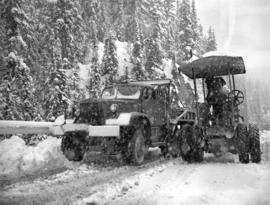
{"x":154,"y":105}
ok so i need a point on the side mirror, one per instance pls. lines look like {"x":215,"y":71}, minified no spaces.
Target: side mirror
{"x":60,"y":120}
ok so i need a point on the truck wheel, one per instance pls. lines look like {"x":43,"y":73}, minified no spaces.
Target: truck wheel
{"x":198,"y":152}
{"x":190,"y":138}
{"x":164,"y":150}
{"x":254,"y":139}
{"x":138,"y":147}
{"x":184,"y":135}
{"x":72,"y":148}
{"x":242,"y":143}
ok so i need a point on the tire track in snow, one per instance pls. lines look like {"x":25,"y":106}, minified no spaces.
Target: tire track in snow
{"x":159,"y":182}
{"x":76,"y":184}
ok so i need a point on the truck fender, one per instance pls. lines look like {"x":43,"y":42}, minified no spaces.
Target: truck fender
{"x":132,"y":119}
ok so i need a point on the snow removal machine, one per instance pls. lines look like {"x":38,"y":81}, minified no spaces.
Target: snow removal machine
{"x":127,"y":120}
{"x":218,"y":113}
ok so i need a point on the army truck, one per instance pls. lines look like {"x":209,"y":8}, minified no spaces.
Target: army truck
{"x":128,"y":119}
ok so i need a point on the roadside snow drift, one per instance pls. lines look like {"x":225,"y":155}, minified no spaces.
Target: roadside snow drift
{"x":16,"y":158}
{"x":265,"y":146}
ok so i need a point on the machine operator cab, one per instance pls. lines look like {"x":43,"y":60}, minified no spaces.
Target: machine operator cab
{"x":220,"y":96}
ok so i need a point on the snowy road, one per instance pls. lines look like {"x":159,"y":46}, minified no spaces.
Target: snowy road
{"x":216,"y":181}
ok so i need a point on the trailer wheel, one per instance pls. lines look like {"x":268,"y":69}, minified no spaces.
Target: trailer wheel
{"x":73,"y":148}
{"x":198,"y":152}
{"x":190,"y":138}
{"x":242,"y":143}
{"x":254,"y":139}
{"x":138,"y":147}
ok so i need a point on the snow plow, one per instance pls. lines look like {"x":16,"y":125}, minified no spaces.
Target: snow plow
{"x":225,"y":130}
{"x":127,"y":120}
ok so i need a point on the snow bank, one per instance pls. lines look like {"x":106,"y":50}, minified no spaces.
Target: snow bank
{"x":16,"y":158}
{"x":265,"y":146}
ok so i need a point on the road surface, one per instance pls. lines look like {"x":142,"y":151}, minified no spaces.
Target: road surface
{"x":161,"y":181}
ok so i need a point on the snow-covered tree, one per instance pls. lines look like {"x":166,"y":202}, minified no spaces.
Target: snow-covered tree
{"x":91,"y":13}
{"x":184,"y":34}
{"x":109,"y":64}
{"x":153,"y":50}
{"x":195,"y":28}
{"x":66,"y":21}
{"x":211,"y":40}
{"x":95,"y":79}
{"x":137,"y":56}
{"x":120,"y":24}
{"x":57,"y":94}
{"x":16,"y":87}
{"x":169,"y":16}
{"x":16,"y":92}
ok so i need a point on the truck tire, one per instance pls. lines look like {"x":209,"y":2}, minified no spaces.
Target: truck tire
{"x":189,"y":143}
{"x":242,"y":143}
{"x":254,"y":139}
{"x":72,"y":148}
{"x":198,"y":151}
{"x":164,"y":150}
{"x":137,"y":147}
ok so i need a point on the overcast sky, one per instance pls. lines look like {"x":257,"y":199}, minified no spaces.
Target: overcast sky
{"x":243,"y":27}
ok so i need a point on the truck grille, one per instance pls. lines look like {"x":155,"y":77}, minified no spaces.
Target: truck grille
{"x":91,"y":113}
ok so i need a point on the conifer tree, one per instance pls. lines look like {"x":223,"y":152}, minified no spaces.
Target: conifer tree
{"x":137,"y":70}
{"x":17,"y":86}
{"x":120,"y":25}
{"x":109,"y":61}
{"x":95,"y":80}
{"x":91,"y":14}
{"x":57,"y":95}
{"x":184,"y":34}
{"x":211,"y":40}
{"x":195,"y":28}
{"x":168,"y":9}
{"x":16,"y":92}
{"x":66,"y":29}
{"x":154,"y":53}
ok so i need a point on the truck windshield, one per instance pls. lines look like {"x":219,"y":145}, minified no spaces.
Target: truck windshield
{"x":122,"y":92}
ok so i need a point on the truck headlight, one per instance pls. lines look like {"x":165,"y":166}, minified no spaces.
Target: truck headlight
{"x":113,"y":108}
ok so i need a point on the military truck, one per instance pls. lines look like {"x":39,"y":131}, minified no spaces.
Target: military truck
{"x":128,"y":119}
{"x":225,"y":129}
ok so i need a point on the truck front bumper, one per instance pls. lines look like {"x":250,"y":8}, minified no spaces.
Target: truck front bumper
{"x":93,"y":131}
{"x":104,"y":131}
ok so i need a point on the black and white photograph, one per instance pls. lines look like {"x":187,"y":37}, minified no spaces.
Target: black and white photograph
{"x":134,"y":102}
